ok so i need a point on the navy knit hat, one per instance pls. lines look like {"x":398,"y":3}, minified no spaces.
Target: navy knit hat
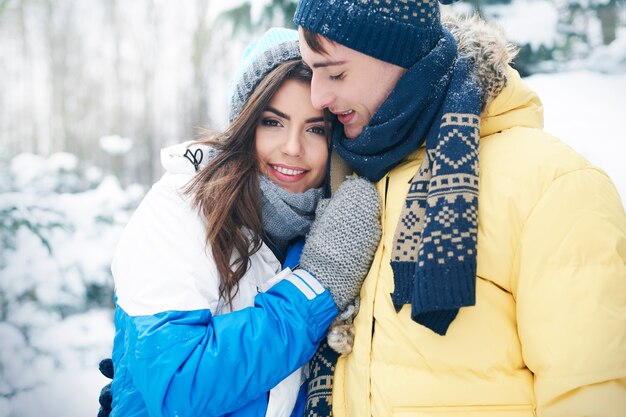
{"x":276,"y":46}
{"x":397,"y":31}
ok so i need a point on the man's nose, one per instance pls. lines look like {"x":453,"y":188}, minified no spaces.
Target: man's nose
{"x":321,"y":95}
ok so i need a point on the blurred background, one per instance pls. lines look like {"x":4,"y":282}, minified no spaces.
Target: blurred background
{"x":90,"y":91}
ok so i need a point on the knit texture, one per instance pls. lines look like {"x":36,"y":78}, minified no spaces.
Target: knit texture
{"x":276,"y":46}
{"x":400,"y":31}
{"x":437,"y":101}
{"x":287,"y":215}
{"x":320,"y":382}
{"x":338,"y":252}
{"x":341,"y":244}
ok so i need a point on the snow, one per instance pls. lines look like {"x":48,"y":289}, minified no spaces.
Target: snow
{"x":51,"y":347}
{"x":531,"y":22}
{"x":57,"y":234}
{"x":115,"y":144}
{"x":584,"y":109}
{"x":59,"y":369}
{"x":609,"y":59}
{"x":60,"y":221}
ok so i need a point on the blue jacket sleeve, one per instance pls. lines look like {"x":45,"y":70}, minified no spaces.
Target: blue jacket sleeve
{"x":294,"y":252}
{"x":192,"y":363}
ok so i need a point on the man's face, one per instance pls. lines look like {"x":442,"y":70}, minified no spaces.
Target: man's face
{"x":350,"y":84}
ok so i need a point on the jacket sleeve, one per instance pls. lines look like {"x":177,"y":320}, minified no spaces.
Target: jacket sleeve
{"x":191,"y":363}
{"x":571,"y":297}
{"x":183,"y":359}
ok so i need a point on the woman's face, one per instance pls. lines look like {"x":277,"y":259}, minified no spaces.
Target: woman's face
{"x":291,"y":139}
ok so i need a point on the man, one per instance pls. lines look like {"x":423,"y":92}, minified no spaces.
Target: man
{"x":499,"y":285}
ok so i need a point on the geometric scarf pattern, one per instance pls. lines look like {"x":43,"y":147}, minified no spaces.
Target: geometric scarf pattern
{"x":320,"y":382}
{"x":435,"y":103}
{"x":434,"y":252}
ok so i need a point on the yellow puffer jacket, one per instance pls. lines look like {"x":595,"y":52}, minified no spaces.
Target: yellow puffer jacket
{"x":547,"y":336}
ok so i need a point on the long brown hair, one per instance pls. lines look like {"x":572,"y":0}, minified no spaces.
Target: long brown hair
{"x":227,"y":191}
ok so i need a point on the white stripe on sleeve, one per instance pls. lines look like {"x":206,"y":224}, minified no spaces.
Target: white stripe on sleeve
{"x":310,"y":280}
{"x":299,"y":283}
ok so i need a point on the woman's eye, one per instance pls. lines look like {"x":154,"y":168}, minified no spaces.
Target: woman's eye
{"x":318,"y":130}
{"x":270,"y":122}
{"x":337,"y":77}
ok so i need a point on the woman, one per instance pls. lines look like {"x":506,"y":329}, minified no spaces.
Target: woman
{"x":206,"y":322}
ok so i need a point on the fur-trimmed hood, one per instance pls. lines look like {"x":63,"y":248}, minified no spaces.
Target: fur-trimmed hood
{"x":487,"y":46}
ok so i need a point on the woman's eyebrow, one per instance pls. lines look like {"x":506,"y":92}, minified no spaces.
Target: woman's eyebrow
{"x":286,"y":116}
{"x":278,"y":113}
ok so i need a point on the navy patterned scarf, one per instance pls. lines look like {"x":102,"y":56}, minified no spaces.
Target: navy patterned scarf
{"x":436,"y":103}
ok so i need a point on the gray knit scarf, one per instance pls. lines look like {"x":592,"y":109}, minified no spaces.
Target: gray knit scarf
{"x":287,"y":215}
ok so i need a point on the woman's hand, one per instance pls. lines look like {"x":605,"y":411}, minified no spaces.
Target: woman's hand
{"x":343,"y":239}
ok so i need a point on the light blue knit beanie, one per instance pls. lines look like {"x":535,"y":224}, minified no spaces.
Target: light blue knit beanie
{"x":276,"y":46}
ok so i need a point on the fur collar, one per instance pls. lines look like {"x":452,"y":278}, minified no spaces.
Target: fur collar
{"x":487,"y":46}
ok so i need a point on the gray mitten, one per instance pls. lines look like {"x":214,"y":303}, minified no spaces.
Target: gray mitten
{"x":343,"y":239}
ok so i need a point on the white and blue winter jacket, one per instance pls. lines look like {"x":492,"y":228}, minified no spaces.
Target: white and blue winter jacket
{"x":179,"y":350}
